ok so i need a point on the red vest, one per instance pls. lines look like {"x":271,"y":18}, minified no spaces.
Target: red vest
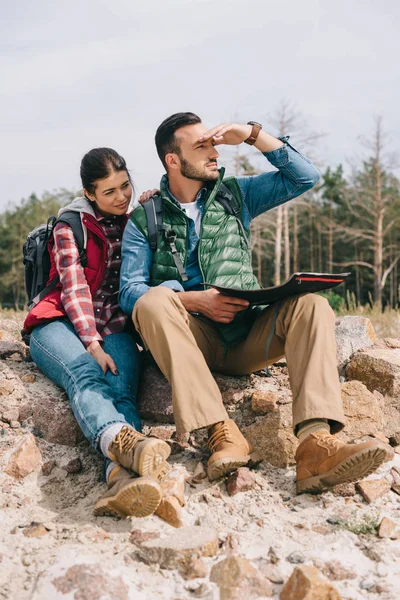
{"x":96,"y":251}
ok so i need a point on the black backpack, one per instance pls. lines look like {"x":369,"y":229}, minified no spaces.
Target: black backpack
{"x":36,"y":257}
{"x":153,"y":210}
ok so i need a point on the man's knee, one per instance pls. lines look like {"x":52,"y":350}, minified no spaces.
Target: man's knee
{"x":315,"y":304}
{"x":153,"y":303}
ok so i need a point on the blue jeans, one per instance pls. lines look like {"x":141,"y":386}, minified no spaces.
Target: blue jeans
{"x":97,"y":400}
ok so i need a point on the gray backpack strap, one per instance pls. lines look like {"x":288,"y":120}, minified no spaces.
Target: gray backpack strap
{"x":73,"y":219}
{"x":153,"y":210}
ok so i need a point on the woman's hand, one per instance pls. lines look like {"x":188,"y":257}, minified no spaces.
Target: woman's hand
{"x":104,"y":359}
{"x":147,"y":195}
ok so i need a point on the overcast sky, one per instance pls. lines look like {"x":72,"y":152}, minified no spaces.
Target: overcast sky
{"x":87,"y":73}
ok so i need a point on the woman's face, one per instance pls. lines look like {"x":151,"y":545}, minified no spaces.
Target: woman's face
{"x":112,"y":194}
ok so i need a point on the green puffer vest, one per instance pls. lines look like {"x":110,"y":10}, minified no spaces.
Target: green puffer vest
{"x":224,"y":253}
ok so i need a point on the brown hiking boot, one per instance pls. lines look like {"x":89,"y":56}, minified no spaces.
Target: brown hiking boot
{"x":128,"y":496}
{"x":230,"y":449}
{"x":139,"y":453}
{"x":324,"y":461}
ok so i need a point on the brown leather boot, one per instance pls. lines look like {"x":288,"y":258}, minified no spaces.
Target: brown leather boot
{"x":230,"y":449}
{"x":128,"y":496}
{"x":139,"y":453}
{"x":323,"y":461}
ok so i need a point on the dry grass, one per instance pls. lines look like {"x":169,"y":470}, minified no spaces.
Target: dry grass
{"x":386,"y":323}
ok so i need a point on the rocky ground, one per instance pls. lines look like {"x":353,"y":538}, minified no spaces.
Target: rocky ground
{"x":247,"y":537}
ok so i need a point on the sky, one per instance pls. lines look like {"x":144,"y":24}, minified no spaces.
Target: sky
{"x":87,"y":73}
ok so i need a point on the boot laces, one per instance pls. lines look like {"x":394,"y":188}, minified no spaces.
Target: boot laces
{"x":127,"y":439}
{"x":221,"y":435}
{"x":330,"y":442}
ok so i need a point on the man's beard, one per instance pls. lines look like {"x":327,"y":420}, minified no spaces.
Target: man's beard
{"x":190,"y":172}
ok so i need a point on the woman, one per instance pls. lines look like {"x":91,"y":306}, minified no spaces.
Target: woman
{"x":79,"y":339}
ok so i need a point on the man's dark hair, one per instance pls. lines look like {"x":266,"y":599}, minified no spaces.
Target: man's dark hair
{"x":165,"y":135}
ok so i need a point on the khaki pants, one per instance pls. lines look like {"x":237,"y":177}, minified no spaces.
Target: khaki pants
{"x":187,"y":348}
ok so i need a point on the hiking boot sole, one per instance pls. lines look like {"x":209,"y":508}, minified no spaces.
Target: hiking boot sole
{"x":350,"y":470}
{"x":137,"y":499}
{"x":150,"y":458}
{"x":224,"y":466}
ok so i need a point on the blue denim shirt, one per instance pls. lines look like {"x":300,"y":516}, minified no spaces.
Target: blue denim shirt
{"x":295,"y":175}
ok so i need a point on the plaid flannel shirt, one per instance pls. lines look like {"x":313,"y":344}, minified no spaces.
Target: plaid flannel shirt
{"x":101,"y":315}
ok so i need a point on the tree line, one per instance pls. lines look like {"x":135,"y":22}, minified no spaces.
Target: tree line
{"x":346,"y":223}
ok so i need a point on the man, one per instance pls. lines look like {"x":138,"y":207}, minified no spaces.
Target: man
{"x":191,"y":331}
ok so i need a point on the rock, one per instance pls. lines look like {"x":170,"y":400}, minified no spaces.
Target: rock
{"x":174,"y":483}
{"x":162,"y":432}
{"x":170,"y":510}
{"x":47,"y":467}
{"x":373,"y":489}
{"x":322,"y":529}
{"x":394,"y":439}
{"x":35,"y":530}
{"x":335,"y":571}
{"x":362,"y":409}
{"x":194,"y":568}
{"x":296,"y":558}
{"x":232,"y":396}
{"x":306,"y":583}
{"x":272,"y":573}
{"x":90,"y":581}
{"x":15,"y":424}
{"x":6,"y":387}
{"x":344,"y":489}
{"x":392,"y":342}
{"x":55,"y":422}
{"x":24,"y":459}
{"x":12,"y":414}
{"x":272,"y":436}
{"x":352,"y":334}
{"x":389,"y":529}
{"x":199,"y":473}
{"x":155,"y":396}
{"x":138,"y":537}
{"x":273,"y":557}
{"x":263,"y":402}
{"x":237,"y":578}
{"x":378,"y":369}
{"x":8,"y":348}
{"x":28,"y":378}
{"x":395,"y":473}
{"x":241,"y":480}
{"x":74,"y":465}
{"x":179,"y":547}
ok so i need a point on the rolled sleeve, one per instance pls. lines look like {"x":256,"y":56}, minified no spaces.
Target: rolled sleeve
{"x":296,"y":174}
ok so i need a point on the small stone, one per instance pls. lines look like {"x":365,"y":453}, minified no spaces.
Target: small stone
{"x":25,"y":458}
{"x":174,"y":484}
{"x":47,"y":467}
{"x":236,"y":577}
{"x":162,"y":432}
{"x":345,"y":490}
{"x":170,"y":510}
{"x":389,"y":529}
{"x":395,"y":473}
{"x":15,"y":424}
{"x":12,"y":414}
{"x":367,"y":584}
{"x":6,"y":387}
{"x":201,"y":591}
{"x":232,"y":396}
{"x":178,"y":547}
{"x":296,"y":558}
{"x":74,"y":465}
{"x":29,"y":378}
{"x":394,"y":439}
{"x":26,"y":560}
{"x":273,"y":557}
{"x":199,"y":473}
{"x":272,"y":573}
{"x":307,"y":583}
{"x":194,"y":568}
{"x":322,"y":529}
{"x":373,"y":489}
{"x":335,"y":571}
{"x":35,"y":530}
{"x":231,"y":544}
{"x":241,"y":480}
{"x":264,"y":402}
{"x":138,"y":537}
{"x":381,"y":570}
{"x":392,"y":342}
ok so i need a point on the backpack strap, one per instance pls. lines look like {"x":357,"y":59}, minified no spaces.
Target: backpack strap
{"x":153,"y":210}
{"x":232,"y":206}
{"x":73,"y":219}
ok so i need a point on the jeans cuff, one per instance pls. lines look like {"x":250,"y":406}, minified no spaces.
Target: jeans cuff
{"x":103,"y":428}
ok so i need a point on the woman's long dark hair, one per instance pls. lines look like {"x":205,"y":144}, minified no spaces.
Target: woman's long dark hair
{"x":99,"y":163}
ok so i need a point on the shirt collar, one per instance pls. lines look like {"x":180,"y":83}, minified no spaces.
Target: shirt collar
{"x":200,"y":195}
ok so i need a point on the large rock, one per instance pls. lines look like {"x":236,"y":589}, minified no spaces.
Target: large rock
{"x":25,"y":459}
{"x":352,"y":334}
{"x":362,"y":409}
{"x":306,"y":583}
{"x":238,"y":579}
{"x":178,"y":548}
{"x":378,"y":369}
{"x":55,"y":422}
{"x":10,"y":347}
{"x":155,"y":396}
